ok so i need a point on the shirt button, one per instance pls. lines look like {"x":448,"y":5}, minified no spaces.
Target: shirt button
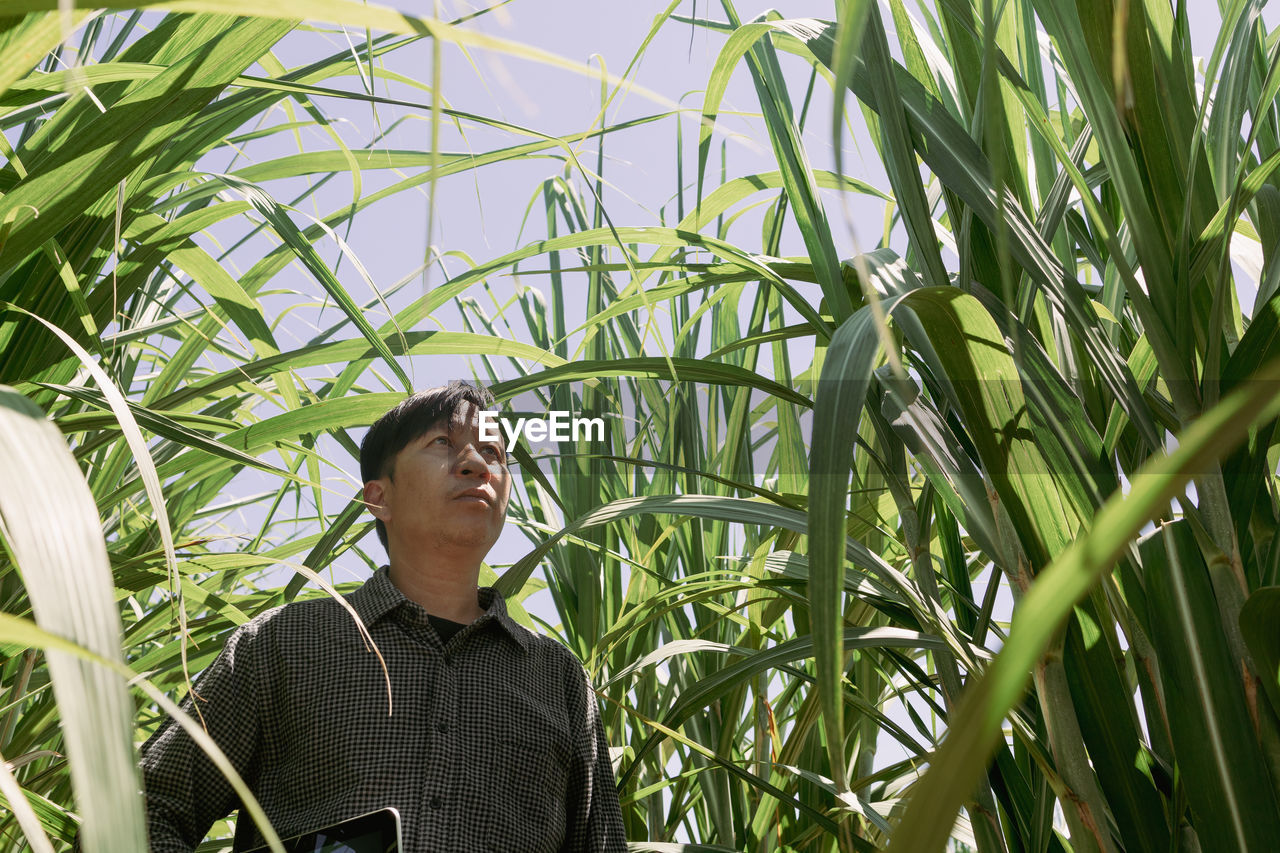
{"x":436,"y":802}
{"x":450,"y":661}
{"x":442,"y":728}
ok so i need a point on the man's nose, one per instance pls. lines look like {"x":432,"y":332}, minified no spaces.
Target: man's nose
{"x":471,"y":463}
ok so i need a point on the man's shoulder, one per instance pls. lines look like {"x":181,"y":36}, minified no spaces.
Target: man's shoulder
{"x":549,"y":645}
{"x":308,"y":614}
{"x":550,"y":650}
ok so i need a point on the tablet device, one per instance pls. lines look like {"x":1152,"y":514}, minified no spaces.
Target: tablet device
{"x":375,"y":832}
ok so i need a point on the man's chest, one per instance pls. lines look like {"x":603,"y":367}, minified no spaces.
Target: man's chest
{"x":340,"y":696}
{"x":478,"y":729}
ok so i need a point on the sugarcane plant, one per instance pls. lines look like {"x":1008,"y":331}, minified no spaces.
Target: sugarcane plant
{"x":959,"y":536}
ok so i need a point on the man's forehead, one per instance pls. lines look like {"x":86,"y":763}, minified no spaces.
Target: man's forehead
{"x":464,"y":414}
{"x":464,"y":418}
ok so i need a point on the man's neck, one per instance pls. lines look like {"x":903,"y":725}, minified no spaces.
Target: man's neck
{"x":446,"y":591}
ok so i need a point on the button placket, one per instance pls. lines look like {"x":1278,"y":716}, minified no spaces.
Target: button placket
{"x":442,"y":777}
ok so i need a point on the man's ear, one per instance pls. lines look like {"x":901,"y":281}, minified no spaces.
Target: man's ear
{"x":375,"y":499}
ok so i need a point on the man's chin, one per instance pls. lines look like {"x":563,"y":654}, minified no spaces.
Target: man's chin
{"x":471,"y":538}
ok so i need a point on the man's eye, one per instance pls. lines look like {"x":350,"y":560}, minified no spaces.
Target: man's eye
{"x":440,"y":438}
{"x":492,"y":450}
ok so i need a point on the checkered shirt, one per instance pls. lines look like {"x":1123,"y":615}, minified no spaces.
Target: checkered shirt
{"x":491,"y":741}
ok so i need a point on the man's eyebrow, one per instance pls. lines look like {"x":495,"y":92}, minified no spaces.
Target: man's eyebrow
{"x":499,"y":441}
{"x":457,"y":426}
{"x":432,"y":430}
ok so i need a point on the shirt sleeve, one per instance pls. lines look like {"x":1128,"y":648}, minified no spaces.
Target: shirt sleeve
{"x":185,"y":792}
{"x":594,"y":820}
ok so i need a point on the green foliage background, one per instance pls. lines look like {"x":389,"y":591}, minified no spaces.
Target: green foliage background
{"x":790,"y":553}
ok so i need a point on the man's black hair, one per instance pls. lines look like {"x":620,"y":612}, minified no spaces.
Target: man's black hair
{"x":408,"y":420}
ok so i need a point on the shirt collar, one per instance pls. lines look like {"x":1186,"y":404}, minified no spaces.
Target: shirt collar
{"x":376,"y":598}
{"x":495,"y":607}
{"x":379,"y":596}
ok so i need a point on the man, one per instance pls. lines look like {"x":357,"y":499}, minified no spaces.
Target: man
{"x":490,"y":738}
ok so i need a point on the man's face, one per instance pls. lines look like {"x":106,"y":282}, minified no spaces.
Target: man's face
{"x":447,"y":489}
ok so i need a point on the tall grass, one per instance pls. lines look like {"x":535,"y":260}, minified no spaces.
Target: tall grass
{"x":786,"y":564}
